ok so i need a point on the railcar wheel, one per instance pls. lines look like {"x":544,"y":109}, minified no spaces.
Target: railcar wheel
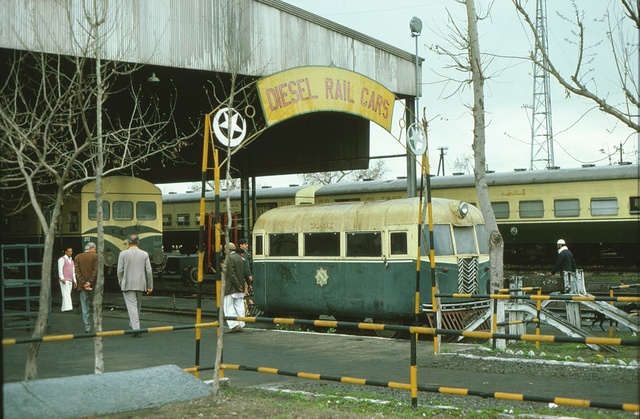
{"x":392,"y":334}
{"x":193,"y":275}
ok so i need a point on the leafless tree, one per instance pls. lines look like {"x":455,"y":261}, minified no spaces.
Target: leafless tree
{"x":622,"y":22}
{"x":496,"y":244}
{"x":464,"y":52}
{"x":60,"y":132}
{"x":325,"y":178}
{"x":464,"y":163}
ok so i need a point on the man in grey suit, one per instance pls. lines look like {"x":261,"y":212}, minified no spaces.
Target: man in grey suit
{"x":135,"y":277}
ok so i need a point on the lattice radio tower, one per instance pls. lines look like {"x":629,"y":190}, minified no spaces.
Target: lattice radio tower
{"x":541,"y":127}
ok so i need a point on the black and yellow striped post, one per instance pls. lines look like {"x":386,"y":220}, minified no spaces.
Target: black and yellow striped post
{"x":201,"y":234}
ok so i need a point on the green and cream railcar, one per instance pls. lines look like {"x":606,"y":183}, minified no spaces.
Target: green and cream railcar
{"x":357,"y":260}
{"x":130,"y":206}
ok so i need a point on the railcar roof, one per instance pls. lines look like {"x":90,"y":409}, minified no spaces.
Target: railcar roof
{"x":123,"y":184}
{"x":528,"y":177}
{"x":263,"y":193}
{"x":360,"y":216}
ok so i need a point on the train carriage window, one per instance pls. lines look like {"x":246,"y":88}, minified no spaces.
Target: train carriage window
{"x":482,"y":239}
{"x":93,"y":210}
{"x":364,"y":244}
{"x":166,"y":220}
{"x":465,"y":240}
{"x":259,"y":248}
{"x":398,"y":243}
{"x":196,"y":218}
{"x":263,"y":207}
{"x":566,"y":207}
{"x":500,"y":209}
{"x":183,"y":219}
{"x":604,"y":206}
{"x":322,"y":244}
{"x":531,"y":209}
{"x":146,"y":210}
{"x":122,"y":210}
{"x":283,"y":244}
{"x":634,"y":205}
{"x":72,"y":220}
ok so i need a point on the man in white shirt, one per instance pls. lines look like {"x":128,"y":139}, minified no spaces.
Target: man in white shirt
{"x":67,"y":278}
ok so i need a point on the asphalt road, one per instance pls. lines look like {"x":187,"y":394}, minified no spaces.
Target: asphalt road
{"x":366,"y":357}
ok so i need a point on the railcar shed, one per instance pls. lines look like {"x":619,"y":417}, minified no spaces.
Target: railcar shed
{"x":185,"y":48}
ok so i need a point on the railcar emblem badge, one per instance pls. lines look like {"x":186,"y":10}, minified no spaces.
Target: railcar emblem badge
{"x":322,"y":277}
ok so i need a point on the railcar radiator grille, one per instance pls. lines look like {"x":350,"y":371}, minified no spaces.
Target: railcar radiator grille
{"x":468,"y":276}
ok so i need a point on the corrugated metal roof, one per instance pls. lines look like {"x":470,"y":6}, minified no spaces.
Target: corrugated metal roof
{"x":246,"y":37}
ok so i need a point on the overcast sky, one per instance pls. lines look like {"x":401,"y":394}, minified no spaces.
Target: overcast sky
{"x":580,"y":129}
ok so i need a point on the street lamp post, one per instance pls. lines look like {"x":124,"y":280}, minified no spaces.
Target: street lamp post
{"x":416,"y":28}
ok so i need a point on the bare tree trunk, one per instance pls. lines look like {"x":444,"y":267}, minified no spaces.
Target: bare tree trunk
{"x":97,"y":293}
{"x":496,"y":244}
{"x":31,"y":367}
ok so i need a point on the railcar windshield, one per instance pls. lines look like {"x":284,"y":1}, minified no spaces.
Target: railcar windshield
{"x":123,"y":210}
{"x":482,"y":239}
{"x":93,"y":210}
{"x":146,"y":210}
{"x":465,"y":239}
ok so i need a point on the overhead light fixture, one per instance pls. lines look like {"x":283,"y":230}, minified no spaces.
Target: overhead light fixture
{"x":153,"y":78}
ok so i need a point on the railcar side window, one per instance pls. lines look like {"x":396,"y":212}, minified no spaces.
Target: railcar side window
{"x":122,"y":210}
{"x":500,"y":209}
{"x":322,"y":244}
{"x":93,"y":210}
{"x":531,"y":209}
{"x":183,"y":219}
{"x":634,"y":205}
{"x":566,"y":207}
{"x":259,"y":248}
{"x":264,"y":207}
{"x":604,"y":206}
{"x":364,"y":244}
{"x":442,"y":240}
{"x":72,"y":220}
{"x":482,"y":239}
{"x":146,"y":210}
{"x":285,"y":244}
{"x":465,"y":240}
{"x":166,"y":220}
{"x":398,"y":242}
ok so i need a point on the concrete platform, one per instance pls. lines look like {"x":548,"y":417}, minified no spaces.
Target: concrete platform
{"x":90,"y":395}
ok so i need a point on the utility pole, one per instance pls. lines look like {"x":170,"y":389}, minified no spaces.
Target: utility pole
{"x":541,"y":127}
{"x":441,"y":161}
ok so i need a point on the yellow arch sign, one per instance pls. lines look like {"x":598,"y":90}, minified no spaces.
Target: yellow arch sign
{"x":311,"y":89}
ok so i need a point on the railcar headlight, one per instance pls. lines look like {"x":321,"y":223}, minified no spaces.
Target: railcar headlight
{"x":463,"y":209}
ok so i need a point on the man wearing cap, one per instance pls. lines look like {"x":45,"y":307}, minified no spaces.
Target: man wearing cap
{"x":565,"y":261}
